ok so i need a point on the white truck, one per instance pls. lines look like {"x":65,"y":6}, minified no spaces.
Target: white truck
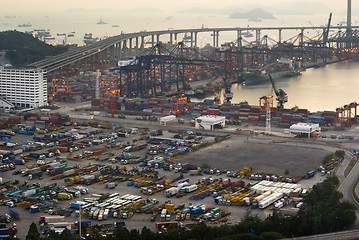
{"x":172,"y":191}
{"x":163,"y":214}
{"x":191,"y":188}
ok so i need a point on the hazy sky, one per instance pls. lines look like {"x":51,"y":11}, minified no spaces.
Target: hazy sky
{"x":50,"y":5}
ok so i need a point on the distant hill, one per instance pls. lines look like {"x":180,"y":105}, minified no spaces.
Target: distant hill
{"x":22,"y":48}
{"x":253,"y":14}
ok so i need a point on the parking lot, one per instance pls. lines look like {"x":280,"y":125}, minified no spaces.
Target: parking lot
{"x":233,"y":154}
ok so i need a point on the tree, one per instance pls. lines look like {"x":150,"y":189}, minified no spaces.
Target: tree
{"x":33,"y":233}
{"x":340,"y":154}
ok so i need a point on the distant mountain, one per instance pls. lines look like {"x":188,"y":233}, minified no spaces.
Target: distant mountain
{"x":22,"y":48}
{"x":253,"y":14}
{"x":304,"y":7}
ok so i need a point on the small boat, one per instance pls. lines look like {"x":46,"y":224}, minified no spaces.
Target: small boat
{"x":25,"y":25}
{"x":61,"y":34}
{"x":255,"y":19}
{"x":70,"y":35}
{"x":115,"y":25}
{"x":247,"y":34}
{"x":101,"y":22}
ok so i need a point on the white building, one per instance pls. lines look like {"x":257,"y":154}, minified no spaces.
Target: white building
{"x":25,"y":88}
{"x":166,"y":119}
{"x":210,"y":122}
{"x":307,"y":128}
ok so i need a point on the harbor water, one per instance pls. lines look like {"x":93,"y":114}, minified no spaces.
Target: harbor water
{"x":317,"y":89}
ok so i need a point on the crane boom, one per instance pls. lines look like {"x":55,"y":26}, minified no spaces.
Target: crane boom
{"x":326,"y":33}
{"x":282,"y":96}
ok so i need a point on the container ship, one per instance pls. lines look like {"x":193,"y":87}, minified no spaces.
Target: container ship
{"x":282,"y":68}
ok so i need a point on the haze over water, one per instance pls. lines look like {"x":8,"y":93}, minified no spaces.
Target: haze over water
{"x":317,"y":89}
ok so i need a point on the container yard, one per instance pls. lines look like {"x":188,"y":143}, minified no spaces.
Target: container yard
{"x":129,"y":170}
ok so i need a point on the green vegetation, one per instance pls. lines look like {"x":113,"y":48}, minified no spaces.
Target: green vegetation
{"x":328,"y":158}
{"x":22,"y":48}
{"x":340,"y":154}
{"x":323,"y":212}
{"x":349,"y":167}
{"x":354,"y":192}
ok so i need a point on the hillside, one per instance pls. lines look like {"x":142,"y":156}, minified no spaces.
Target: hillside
{"x":253,"y":14}
{"x":22,"y":48}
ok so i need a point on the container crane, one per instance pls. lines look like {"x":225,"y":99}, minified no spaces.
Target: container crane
{"x":228,"y":95}
{"x":282,"y":96}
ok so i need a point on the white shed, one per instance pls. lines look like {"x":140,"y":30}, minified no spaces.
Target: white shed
{"x":210,"y":122}
{"x":307,"y":128}
{"x":165,"y":120}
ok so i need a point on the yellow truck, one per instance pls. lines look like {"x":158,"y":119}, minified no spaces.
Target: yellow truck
{"x":66,"y":196}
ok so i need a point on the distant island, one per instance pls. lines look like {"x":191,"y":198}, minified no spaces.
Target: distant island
{"x":23,"y":48}
{"x":256,"y":13}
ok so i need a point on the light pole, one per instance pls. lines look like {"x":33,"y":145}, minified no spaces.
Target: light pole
{"x":80,"y":207}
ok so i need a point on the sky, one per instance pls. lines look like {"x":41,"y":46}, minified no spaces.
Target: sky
{"x":18,"y":6}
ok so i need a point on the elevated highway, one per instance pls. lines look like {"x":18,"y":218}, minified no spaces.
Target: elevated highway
{"x":115,"y":47}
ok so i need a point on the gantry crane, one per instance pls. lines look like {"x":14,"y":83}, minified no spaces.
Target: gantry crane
{"x":282,"y":96}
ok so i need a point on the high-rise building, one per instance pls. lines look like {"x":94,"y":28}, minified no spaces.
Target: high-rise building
{"x":25,"y":88}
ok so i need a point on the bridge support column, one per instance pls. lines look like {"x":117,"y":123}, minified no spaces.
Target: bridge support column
{"x":136,"y":42}
{"x":214,"y":38}
{"x":195,"y":39}
{"x":258,"y":36}
{"x":279,"y":35}
{"x":119,"y":50}
{"x":124,"y":47}
{"x":142,"y":42}
{"x":176,"y":38}
{"x":239,"y":37}
{"x":171,"y":36}
{"x":158,"y":39}
{"x":217,"y":39}
{"x":191,"y":39}
{"x":153,"y":40}
{"x":130,"y":44}
{"x":301,"y":36}
{"x":112,"y":53}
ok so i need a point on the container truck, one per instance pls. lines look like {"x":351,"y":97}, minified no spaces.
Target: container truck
{"x":38,"y":156}
{"x":161,"y":225}
{"x":19,"y":162}
{"x":310,"y":174}
{"x":5,"y":218}
{"x":122,"y":134}
{"x":191,"y":188}
{"x":138,"y":147}
{"x":147,"y":207}
{"x":28,"y":193}
{"x":171,"y":191}
{"x":66,"y":196}
{"x":163,"y":214}
{"x":51,"y":218}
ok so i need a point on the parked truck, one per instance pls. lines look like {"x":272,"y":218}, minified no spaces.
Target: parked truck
{"x":51,"y":218}
{"x":191,"y":188}
{"x":64,"y":196}
{"x":161,"y":225}
{"x":171,"y":191}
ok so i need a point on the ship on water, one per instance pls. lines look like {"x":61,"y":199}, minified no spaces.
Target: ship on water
{"x":25,"y":25}
{"x":101,"y":22}
{"x":282,"y":68}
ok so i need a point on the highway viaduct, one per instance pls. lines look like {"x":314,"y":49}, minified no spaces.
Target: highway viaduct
{"x":116,"y":47}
